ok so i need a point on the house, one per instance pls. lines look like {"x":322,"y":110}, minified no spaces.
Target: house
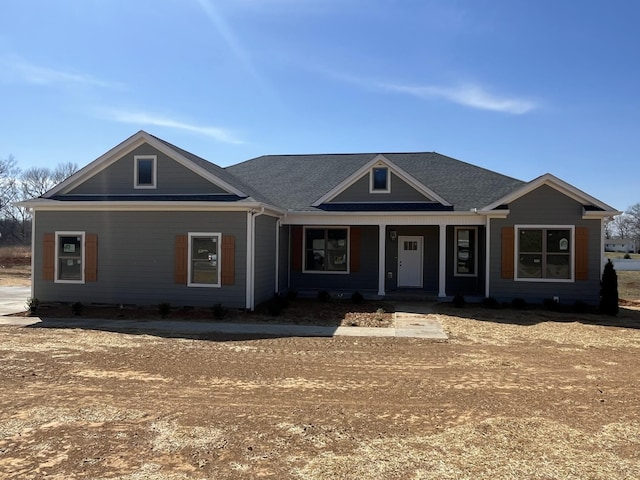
{"x":625,"y":245}
{"x":148,"y":222}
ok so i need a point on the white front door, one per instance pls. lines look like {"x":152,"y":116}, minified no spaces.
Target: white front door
{"x":410,"y":261}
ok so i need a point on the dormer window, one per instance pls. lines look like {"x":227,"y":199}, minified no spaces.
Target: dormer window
{"x":145,"y":172}
{"x":379,"y":180}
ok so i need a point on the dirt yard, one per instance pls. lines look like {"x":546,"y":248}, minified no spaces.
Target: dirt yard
{"x":536,"y":397}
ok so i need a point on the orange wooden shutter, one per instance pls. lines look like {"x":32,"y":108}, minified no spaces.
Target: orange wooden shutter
{"x":507,"y":251}
{"x":48,"y":256}
{"x":354,"y":248}
{"x":180,"y":259}
{"x":296,"y":249}
{"x":582,"y":253}
{"x":91,"y":258}
{"x":228,"y":267}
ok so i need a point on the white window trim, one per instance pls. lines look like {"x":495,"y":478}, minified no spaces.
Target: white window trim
{"x":218,"y":235}
{"x":371,"y":179}
{"x":455,"y":252}
{"x":516,"y":250}
{"x":57,"y":257}
{"x":154,"y":173}
{"x":304,"y":250}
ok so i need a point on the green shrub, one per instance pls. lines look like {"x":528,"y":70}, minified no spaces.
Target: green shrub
{"x":323,"y":296}
{"x":627,"y":256}
{"x":276,"y":305}
{"x":164,"y":309}
{"x":218,"y":311}
{"x":76,"y":308}
{"x":459,"y":301}
{"x":609,"y":290}
{"x":551,"y":305}
{"x":519,"y":304}
{"x":357,"y":298}
{"x":292,"y":295}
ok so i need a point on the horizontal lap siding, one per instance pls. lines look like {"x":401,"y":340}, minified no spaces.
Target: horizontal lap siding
{"x":401,"y":191}
{"x":546,"y":206}
{"x":136,"y":257}
{"x":173,"y":178}
{"x":265,"y":261}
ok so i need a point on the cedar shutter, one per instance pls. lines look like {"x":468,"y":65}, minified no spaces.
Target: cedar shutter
{"x":228,"y":267}
{"x":48,"y":256}
{"x":296,"y":249}
{"x":91,"y":257}
{"x":354,"y":249}
{"x":582,"y":253}
{"x":180,"y":259}
{"x":507,"y":252}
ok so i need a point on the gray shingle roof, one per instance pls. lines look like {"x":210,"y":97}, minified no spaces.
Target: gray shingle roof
{"x":295,"y":182}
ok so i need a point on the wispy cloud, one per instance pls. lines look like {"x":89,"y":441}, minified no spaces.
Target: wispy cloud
{"x":18,"y":69}
{"x":473,"y":96}
{"x":468,"y":95}
{"x":143,"y":119}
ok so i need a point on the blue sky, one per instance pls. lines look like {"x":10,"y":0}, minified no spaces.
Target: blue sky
{"x":516,"y":86}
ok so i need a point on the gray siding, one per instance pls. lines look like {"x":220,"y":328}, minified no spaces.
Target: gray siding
{"x":283,"y":275}
{"x":430,"y":256}
{"x":136,"y":257}
{"x":118,"y":178}
{"x":546,"y":206}
{"x":364,"y":279}
{"x":401,"y":191}
{"x":265,"y":264}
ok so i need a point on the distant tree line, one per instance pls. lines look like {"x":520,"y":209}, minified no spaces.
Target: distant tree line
{"x":17,"y":185}
{"x":624,"y":226}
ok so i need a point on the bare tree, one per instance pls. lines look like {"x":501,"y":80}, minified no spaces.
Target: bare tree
{"x":622,"y":225}
{"x":633,"y":212}
{"x":609,"y":227}
{"x":36,"y":181}
{"x":9,"y":172}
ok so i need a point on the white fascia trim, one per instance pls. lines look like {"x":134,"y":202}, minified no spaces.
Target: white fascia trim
{"x":42,"y":205}
{"x":594,"y":214}
{"x":553,"y":182}
{"x":128,"y":146}
{"x":380,"y":160}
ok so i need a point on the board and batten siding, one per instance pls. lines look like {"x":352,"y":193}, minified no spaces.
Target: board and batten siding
{"x":401,"y":191}
{"x":135,"y":262}
{"x":172,"y":178}
{"x":265,"y":261}
{"x":546,"y":206}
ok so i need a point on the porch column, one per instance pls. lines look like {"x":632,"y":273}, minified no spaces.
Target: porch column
{"x":442,"y":262}
{"x":382,"y":244}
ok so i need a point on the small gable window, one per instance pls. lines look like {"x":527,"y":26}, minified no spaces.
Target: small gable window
{"x":145,"y":173}
{"x":379,"y":180}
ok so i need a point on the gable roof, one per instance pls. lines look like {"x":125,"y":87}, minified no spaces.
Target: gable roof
{"x":205,"y":169}
{"x":297,"y":182}
{"x":592,"y":205}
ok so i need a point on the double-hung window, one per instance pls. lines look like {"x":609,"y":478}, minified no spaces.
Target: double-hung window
{"x":544,"y":253}
{"x":145,"y":171}
{"x":326,"y":250}
{"x":69,"y":257}
{"x":204,"y":259}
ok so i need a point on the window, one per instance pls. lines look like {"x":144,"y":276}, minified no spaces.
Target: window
{"x":326,"y":250}
{"x":204,"y":259}
{"x":145,"y":171}
{"x":69,"y":257}
{"x":379,"y":180}
{"x":466,"y":252}
{"x":544,"y":253}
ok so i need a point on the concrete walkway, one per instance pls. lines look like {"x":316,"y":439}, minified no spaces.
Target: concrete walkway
{"x":412,"y":320}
